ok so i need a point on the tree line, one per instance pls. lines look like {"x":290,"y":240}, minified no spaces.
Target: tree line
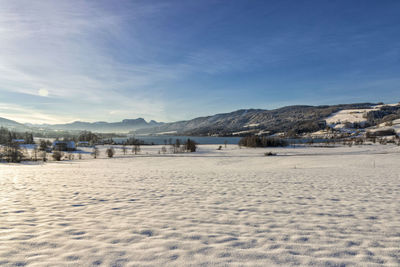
{"x":257,"y":141}
{"x":7,"y":136}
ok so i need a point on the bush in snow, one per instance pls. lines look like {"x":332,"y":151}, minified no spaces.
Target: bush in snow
{"x":190,"y":145}
{"x":110,"y":152}
{"x":57,"y":155}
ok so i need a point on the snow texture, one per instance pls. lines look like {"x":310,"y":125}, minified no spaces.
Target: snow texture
{"x":305,"y":206}
{"x":348,"y":115}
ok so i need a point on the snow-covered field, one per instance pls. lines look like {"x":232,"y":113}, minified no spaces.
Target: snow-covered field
{"x":348,"y":115}
{"x":306,"y":206}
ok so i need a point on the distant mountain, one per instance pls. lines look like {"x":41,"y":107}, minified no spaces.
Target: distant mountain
{"x":101,"y":126}
{"x":10,"y":124}
{"x":291,"y":120}
{"x":295,"y":118}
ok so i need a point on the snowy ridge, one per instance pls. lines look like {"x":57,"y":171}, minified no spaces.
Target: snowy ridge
{"x":345,"y":121}
{"x":238,"y":122}
{"x":348,"y":115}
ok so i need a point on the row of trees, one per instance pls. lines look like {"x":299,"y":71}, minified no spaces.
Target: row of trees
{"x":13,"y":152}
{"x":7,"y":136}
{"x":10,"y":141}
{"x":110,"y":152}
{"x":179,"y":146}
{"x":88,"y":136}
{"x":257,"y":141}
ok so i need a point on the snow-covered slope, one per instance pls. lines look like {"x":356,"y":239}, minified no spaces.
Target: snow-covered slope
{"x":345,"y":120}
{"x":277,"y":120}
{"x":348,"y":115}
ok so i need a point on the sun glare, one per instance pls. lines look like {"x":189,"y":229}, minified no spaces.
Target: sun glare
{"x":43,"y":92}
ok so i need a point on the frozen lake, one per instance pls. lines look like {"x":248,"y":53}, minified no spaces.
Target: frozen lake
{"x":306,"y":206}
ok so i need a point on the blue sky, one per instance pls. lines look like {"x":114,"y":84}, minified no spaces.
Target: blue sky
{"x":62,"y":61}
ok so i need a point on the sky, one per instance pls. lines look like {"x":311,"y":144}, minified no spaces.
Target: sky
{"x":69,"y":60}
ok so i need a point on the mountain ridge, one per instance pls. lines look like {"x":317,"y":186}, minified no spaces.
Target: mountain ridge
{"x":295,"y":119}
{"x":125,"y":125}
{"x":275,"y":120}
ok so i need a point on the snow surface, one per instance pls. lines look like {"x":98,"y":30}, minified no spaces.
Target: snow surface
{"x":383,"y":128}
{"x":396,"y":126}
{"x":348,"y":115}
{"x":251,"y":125}
{"x":305,"y":206}
{"x":352,"y":115}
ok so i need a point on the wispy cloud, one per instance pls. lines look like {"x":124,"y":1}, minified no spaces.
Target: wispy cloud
{"x":108,"y":60}
{"x":23,"y":114}
{"x":56,"y":47}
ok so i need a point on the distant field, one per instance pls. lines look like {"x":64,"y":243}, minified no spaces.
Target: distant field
{"x":305,"y":206}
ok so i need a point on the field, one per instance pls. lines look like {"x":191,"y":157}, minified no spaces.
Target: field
{"x":306,"y":206}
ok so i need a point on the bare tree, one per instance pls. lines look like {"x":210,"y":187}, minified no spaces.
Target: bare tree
{"x":136,"y":149}
{"x":35,"y":153}
{"x":177,"y":145}
{"x":124,"y":149}
{"x":44,"y":156}
{"x":95,"y":152}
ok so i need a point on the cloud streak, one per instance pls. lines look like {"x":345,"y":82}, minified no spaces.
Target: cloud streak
{"x":102,"y":60}
{"x":56,"y":47}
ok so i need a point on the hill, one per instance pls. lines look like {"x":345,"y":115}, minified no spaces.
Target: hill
{"x":13,"y":125}
{"x":291,"y":120}
{"x":296,"y":119}
{"x":126,"y":125}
